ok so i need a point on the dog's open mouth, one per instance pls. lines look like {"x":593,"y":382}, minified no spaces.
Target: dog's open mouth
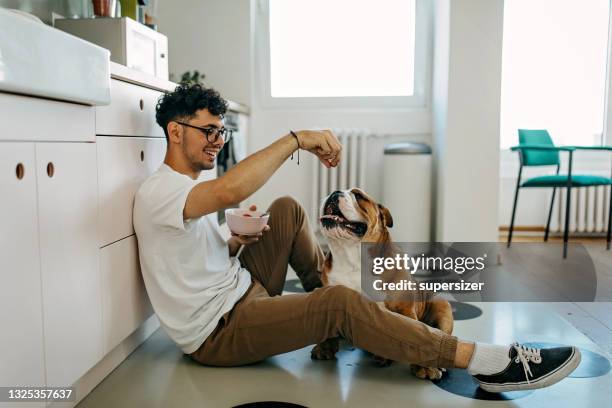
{"x":333,"y":218}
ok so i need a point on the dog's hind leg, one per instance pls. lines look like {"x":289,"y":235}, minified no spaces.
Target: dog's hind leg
{"x":440,"y":316}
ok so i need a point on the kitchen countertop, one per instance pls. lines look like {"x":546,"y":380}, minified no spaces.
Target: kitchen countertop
{"x":38,"y":60}
{"x":125,"y":74}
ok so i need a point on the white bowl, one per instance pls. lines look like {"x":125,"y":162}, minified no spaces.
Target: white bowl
{"x":245,"y":222}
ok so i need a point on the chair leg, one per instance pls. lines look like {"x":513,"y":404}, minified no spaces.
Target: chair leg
{"x":609,"y":221}
{"x":513,"y":214}
{"x":567,"y":216}
{"x":552,"y":203}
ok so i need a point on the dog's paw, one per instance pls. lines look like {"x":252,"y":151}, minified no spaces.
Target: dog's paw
{"x":427,"y":373}
{"x":323,"y":351}
{"x":381,"y":361}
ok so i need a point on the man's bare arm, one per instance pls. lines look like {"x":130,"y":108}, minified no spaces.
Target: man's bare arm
{"x":251,"y":173}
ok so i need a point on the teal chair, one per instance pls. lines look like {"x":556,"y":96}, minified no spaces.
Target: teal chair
{"x":536,"y":148}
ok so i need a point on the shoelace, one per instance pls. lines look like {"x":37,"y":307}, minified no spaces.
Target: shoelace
{"x":526,"y":354}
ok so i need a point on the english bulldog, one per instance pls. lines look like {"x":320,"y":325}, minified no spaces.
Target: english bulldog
{"x":347,"y":219}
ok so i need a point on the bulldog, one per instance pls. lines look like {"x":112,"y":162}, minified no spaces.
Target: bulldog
{"x":347,"y":219}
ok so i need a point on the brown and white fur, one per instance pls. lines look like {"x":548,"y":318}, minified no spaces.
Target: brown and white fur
{"x":349,"y":218}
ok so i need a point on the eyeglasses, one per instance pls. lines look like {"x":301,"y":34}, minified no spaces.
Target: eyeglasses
{"x":212,"y":133}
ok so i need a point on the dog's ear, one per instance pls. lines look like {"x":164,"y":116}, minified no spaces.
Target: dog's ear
{"x":385,"y":215}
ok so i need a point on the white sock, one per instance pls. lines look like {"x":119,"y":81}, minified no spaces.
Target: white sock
{"x":488,"y":359}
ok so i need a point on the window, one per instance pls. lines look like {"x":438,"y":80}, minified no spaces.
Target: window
{"x":346,"y":49}
{"x":554,"y":69}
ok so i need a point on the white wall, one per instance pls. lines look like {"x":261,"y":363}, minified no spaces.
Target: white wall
{"x":213,"y":37}
{"x":607,"y":139}
{"x":43,"y":8}
{"x":441,"y":46}
{"x":466,"y":106}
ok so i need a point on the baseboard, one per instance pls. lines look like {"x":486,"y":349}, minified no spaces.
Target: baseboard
{"x":98,"y":373}
{"x":524,"y":228}
{"x":531,"y":230}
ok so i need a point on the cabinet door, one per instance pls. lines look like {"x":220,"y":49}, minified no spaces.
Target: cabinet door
{"x":68,"y":217}
{"x":123,"y":164}
{"x":21,"y":341}
{"x":125,"y":304}
{"x":130,"y":113}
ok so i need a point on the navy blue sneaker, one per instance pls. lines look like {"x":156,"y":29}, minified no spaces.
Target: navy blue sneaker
{"x":531,"y":368}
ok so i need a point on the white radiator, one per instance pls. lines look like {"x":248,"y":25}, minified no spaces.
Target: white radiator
{"x":589,"y":209}
{"x":351,"y":172}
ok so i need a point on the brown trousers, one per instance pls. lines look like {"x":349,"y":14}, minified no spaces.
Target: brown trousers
{"x":263,"y":323}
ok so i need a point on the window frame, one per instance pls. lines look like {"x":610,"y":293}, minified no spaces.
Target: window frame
{"x":422,"y":69}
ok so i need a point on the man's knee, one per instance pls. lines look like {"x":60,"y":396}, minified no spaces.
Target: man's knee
{"x":286,"y":204}
{"x":340,"y":297}
{"x":286,"y":201}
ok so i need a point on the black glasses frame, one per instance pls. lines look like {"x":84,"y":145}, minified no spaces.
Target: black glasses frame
{"x":224,"y":132}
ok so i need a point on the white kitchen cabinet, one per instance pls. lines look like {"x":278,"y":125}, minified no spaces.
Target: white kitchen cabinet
{"x":123,"y":164}
{"x":49,"y":256}
{"x":68,"y":219}
{"x":125,"y":304}
{"x":72,"y":299}
{"x":21,"y":341}
{"x":131,"y":112}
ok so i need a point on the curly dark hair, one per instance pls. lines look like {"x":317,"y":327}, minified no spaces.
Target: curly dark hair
{"x":185,"y":101}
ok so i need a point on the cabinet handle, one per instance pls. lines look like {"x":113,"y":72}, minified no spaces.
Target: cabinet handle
{"x":19,"y":171}
{"x":141,"y":104}
{"x":141,"y":155}
{"x":50,"y":169}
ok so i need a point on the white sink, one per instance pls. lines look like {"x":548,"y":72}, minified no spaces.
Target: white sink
{"x":36,"y":59}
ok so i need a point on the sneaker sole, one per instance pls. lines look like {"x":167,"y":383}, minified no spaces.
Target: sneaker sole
{"x":565,"y":370}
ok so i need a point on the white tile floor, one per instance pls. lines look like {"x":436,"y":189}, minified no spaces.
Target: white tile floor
{"x":594,"y":319}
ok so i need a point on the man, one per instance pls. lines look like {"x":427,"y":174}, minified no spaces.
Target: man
{"x":225,"y":311}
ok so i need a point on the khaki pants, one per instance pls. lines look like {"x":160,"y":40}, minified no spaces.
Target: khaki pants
{"x":263,"y":323}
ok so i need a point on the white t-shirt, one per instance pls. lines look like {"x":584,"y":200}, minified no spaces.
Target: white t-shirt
{"x":188,"y":273}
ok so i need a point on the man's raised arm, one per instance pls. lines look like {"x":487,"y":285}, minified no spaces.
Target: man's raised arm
{"x":251,"y":173}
